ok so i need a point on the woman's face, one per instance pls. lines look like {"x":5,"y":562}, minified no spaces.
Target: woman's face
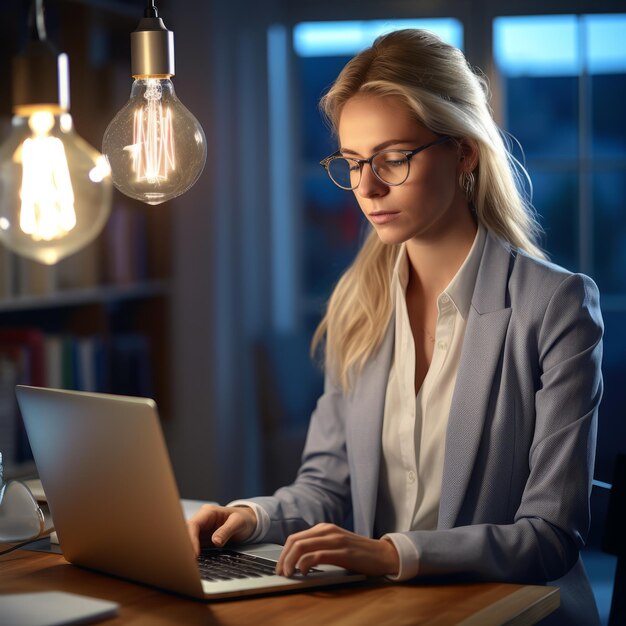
{"x":427,"y":204}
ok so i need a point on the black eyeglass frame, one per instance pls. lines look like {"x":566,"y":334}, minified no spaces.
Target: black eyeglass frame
{"x":409,"y":154}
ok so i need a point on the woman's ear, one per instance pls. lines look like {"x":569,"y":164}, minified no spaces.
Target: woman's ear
{"x":468,"y":155}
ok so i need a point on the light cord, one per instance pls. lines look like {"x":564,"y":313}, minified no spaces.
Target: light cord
{"x":151,"y":10}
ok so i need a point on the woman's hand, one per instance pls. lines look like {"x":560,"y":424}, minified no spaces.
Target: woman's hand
{"x":218,"y":524}
{"x":330,"y":544}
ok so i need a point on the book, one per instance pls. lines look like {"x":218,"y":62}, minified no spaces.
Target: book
{"x":24,"y":347}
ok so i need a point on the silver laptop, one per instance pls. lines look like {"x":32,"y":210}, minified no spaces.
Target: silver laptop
{"x":110,"y":487}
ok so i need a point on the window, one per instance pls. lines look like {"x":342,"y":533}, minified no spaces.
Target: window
{"x":563,"y":80}
{"x":572,"y":69}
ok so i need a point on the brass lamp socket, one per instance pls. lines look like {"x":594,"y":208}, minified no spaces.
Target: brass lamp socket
{"x":152,"y":49}
{"x":40,"y":78}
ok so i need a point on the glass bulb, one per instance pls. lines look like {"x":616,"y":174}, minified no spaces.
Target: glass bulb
{"x":156,"y":148}
{"x":55,"y":189}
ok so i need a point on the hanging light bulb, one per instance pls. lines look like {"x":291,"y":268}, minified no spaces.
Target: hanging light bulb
{"x":155,"y":147}
{"x":55,"y":189}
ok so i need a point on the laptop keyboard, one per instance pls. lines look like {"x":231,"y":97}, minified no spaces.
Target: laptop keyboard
{"x":228,"y":565}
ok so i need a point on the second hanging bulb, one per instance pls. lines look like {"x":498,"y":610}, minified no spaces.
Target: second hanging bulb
{"x":155,"y":147}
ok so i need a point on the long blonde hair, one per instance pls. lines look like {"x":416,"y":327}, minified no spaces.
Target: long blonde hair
{"x":443,"y":92}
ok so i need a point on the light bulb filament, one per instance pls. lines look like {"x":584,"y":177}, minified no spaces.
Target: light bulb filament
{"x":47,"y":198}
{"x":153,"y":139}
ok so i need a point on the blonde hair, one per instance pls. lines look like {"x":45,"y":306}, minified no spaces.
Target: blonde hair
{"x":443,"y":92}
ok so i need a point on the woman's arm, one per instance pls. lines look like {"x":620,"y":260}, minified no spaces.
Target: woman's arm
{"x":321,"y":491}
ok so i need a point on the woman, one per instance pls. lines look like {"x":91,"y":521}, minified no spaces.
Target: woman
{"x":457,"y":426}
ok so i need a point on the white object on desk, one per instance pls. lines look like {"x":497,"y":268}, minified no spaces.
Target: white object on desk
{"x":34,"y":484}
{"x":53,"y":608}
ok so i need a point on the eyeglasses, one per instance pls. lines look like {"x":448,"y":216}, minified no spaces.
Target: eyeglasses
{"x":389,"y":166}
{"x":21,"y":518}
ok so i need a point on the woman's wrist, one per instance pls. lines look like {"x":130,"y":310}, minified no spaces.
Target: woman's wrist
{"x":391,"y":558}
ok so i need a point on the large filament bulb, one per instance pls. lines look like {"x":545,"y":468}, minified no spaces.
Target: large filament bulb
{"x":55,"y":189}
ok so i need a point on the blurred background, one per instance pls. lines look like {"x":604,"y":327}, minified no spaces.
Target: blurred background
{"x":208,"y":302}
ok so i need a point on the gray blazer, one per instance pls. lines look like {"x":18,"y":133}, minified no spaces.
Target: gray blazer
{"x":520,"y":443}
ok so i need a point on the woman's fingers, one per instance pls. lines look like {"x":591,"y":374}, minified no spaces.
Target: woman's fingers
{"x":218,"y":524}
{"x":201,"y":525}
{"x":336,"y":556}
{"x":329,"y":544}
{"x":239,"y":525}
{"x":324,"y":543}
{"x":293,"y":553}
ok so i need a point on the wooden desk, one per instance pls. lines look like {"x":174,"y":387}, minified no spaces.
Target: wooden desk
{"x":361,"y":604}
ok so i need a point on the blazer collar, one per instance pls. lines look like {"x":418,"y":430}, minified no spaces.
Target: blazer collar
{"x":484,"y":338}
{"x":492,"y":282}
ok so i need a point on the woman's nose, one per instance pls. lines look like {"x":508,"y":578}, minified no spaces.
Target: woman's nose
{"x":370,"y":185}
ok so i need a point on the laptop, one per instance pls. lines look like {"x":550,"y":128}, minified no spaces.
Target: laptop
{"x":109,"y":483}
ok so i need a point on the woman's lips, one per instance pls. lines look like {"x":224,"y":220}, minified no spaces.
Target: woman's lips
{"x":383,"y":217}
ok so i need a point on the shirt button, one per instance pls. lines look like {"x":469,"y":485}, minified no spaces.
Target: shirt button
{"x":442,"y":345}
{"x":445,"y":299}
{"x":411,"y":477}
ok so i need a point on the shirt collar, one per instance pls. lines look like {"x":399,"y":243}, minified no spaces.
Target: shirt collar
{"x":400,"y":276}
{"x":461,"y":287}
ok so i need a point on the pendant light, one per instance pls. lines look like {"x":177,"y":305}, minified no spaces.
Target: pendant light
{"x":155,"y":147}
{"x":55,"y":189}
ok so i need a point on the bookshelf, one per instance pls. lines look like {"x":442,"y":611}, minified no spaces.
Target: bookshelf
{"x":105,"y":294}
{"x":110,"y":338}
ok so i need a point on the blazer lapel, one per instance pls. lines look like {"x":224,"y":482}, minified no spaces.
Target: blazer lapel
{"x":484,"y":337}
{"x":364,"y":434}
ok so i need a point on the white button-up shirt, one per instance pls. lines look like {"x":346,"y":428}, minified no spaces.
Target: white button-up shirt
{"x":414,"y":428}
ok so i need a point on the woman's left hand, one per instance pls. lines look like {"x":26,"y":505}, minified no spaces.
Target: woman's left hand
{"x":332,"y":545}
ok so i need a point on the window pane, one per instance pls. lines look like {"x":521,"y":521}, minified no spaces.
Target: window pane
{"x":542,"y":113}
{"x":609,"y":202}
{"x":538,"y":58}
{"x":608,"y":132}
{"x":537,"y":45}
{"x":556,"y":198}
{"x":317,"y":39}
{"x":605,"y":36}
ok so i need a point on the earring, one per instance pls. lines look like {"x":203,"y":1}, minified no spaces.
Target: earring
{"x":467,"y":181}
